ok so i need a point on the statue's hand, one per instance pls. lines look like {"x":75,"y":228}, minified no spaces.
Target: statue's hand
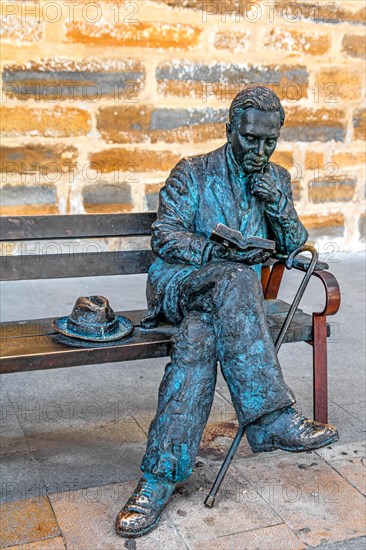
{"x":249,"y":257}
{"x":264,"y":188}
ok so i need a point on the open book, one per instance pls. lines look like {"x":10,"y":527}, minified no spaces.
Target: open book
{"x":234,"y":239}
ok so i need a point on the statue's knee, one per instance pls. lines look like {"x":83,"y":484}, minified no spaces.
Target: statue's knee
{"x":197,"y":327}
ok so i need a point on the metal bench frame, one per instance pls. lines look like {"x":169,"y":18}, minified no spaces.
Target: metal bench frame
{"x":32,"y":344}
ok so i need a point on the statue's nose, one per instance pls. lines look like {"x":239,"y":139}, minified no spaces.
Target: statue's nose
{"x":260,"y":148}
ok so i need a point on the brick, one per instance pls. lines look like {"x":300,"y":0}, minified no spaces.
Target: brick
{"x":314,"y":125}
{"x":16,"y":195}
{"x":55,"y":122}
{"x":328,"y":12}
{"x":318,"y":226}
{"x":232,"y":40}
{"x":345,"y":159}
{"x":295,"y":42}
{"x":28,"y":200}
{"x":87,"y":79}
{"x":133,"y":160}
{"x":337,"y":188}
{"x":230,"y":5}
{"x":224,"y":80}
{"x":107,"y":198}
{"x":144,"y":123}
{"x":141,"y":34}
{"x":296,"y":189}
{"x":314,"y":160}
{"x":354,"y":45}
{"x":284,"y":158}
{"x":30,"y":210}
{"x":359,"y":124}
{"x":124,"y":124}
{"x":152,"y":196}
{"x":32,"y":158}
{"x":290,"y":12}
{"x":339,"y":83}
{"x":27,"y":520}
{"x":20,"y":31}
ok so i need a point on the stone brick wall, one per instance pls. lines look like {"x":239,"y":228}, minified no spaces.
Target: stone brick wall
{"x":101,"y":99}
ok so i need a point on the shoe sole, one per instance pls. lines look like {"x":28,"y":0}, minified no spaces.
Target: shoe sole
{"x":275,"y":446}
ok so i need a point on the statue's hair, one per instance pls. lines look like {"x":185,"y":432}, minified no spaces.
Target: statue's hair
{"x":255,"y":97}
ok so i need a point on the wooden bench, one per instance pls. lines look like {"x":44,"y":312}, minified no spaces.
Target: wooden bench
{"x":32,"y":344}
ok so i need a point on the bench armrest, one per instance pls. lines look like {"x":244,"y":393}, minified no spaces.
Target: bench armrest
{"x":332,"y":293}
{"x":330,"y":283}
{"x":301,"y":262}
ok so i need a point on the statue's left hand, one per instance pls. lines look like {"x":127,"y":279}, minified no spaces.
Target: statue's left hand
{"x":249,"y":257}
{"x":264,"y":188}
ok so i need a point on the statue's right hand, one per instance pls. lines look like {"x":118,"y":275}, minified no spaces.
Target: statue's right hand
{"x":249,"y":257}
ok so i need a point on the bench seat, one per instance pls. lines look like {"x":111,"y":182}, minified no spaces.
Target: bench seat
{"x":34,"y":345}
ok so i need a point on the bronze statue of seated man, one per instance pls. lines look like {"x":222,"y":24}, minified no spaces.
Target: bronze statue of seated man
{"x":214,"y":294}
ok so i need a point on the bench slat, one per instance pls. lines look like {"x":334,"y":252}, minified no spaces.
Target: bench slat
{"x":23,"y":228}
{"x":54,"y":266}
{"x":43,"y":327}
{"x":44,"y":352}
{"x":35,"y":347}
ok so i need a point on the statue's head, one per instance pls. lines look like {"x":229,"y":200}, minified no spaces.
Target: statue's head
{"x":256,"y":117}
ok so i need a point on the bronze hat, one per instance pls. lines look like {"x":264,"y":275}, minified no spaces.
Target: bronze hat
{"x":93,"y":319}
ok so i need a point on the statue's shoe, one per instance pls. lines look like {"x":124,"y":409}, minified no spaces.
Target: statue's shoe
{"x":290,"y":431}
{"x":141,"y":513}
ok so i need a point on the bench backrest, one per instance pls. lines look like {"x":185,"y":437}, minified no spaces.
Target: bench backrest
{"x":33,"y":261}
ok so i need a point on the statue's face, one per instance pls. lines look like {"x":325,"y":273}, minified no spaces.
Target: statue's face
{"x":254,"y":139}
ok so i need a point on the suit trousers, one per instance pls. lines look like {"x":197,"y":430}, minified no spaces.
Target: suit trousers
{"x":223,"y":320}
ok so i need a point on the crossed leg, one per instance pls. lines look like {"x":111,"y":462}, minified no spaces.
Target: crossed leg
{"x":224,"y":319}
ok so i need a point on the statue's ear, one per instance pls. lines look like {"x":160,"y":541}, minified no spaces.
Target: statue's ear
{"x":228,"y":131}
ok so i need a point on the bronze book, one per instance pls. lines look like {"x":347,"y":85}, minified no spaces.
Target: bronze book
{"x":234,"y":239}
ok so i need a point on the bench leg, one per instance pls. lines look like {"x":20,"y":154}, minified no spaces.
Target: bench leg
{"x":320,"y":375}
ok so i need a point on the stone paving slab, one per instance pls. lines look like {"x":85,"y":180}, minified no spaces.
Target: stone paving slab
{"x":238,"y":508}
{"x":20,"y":477}
{"x":71,"y":464}
{"x":349,"y":461}
{"x":87,"y":521}
{"x":27,"y":521}
{"x":351,"y":544}
{"x":276,"y":537}
{"x":314,"y":500}
{"x":11,"y":434}
{"x":356,"y":408}
{"x":48,"y":544}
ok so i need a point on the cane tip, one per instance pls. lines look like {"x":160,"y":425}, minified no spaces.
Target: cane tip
{"x":210,"y":501}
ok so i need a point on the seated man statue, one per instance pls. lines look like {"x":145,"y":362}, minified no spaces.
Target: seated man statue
{"x":214,"y":294}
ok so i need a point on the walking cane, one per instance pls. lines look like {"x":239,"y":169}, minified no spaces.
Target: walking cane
{"x":210,"y":499}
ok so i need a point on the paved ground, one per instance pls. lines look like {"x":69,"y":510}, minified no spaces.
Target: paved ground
{"x":72,"y":440}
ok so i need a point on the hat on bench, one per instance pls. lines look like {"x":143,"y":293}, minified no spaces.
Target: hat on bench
{"x":93,"y":319}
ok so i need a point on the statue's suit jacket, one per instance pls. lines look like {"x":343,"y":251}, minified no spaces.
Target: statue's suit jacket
{"x":199,"y":194}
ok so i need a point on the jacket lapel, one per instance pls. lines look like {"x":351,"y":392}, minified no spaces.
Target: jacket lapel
{"x":223,"y":201}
